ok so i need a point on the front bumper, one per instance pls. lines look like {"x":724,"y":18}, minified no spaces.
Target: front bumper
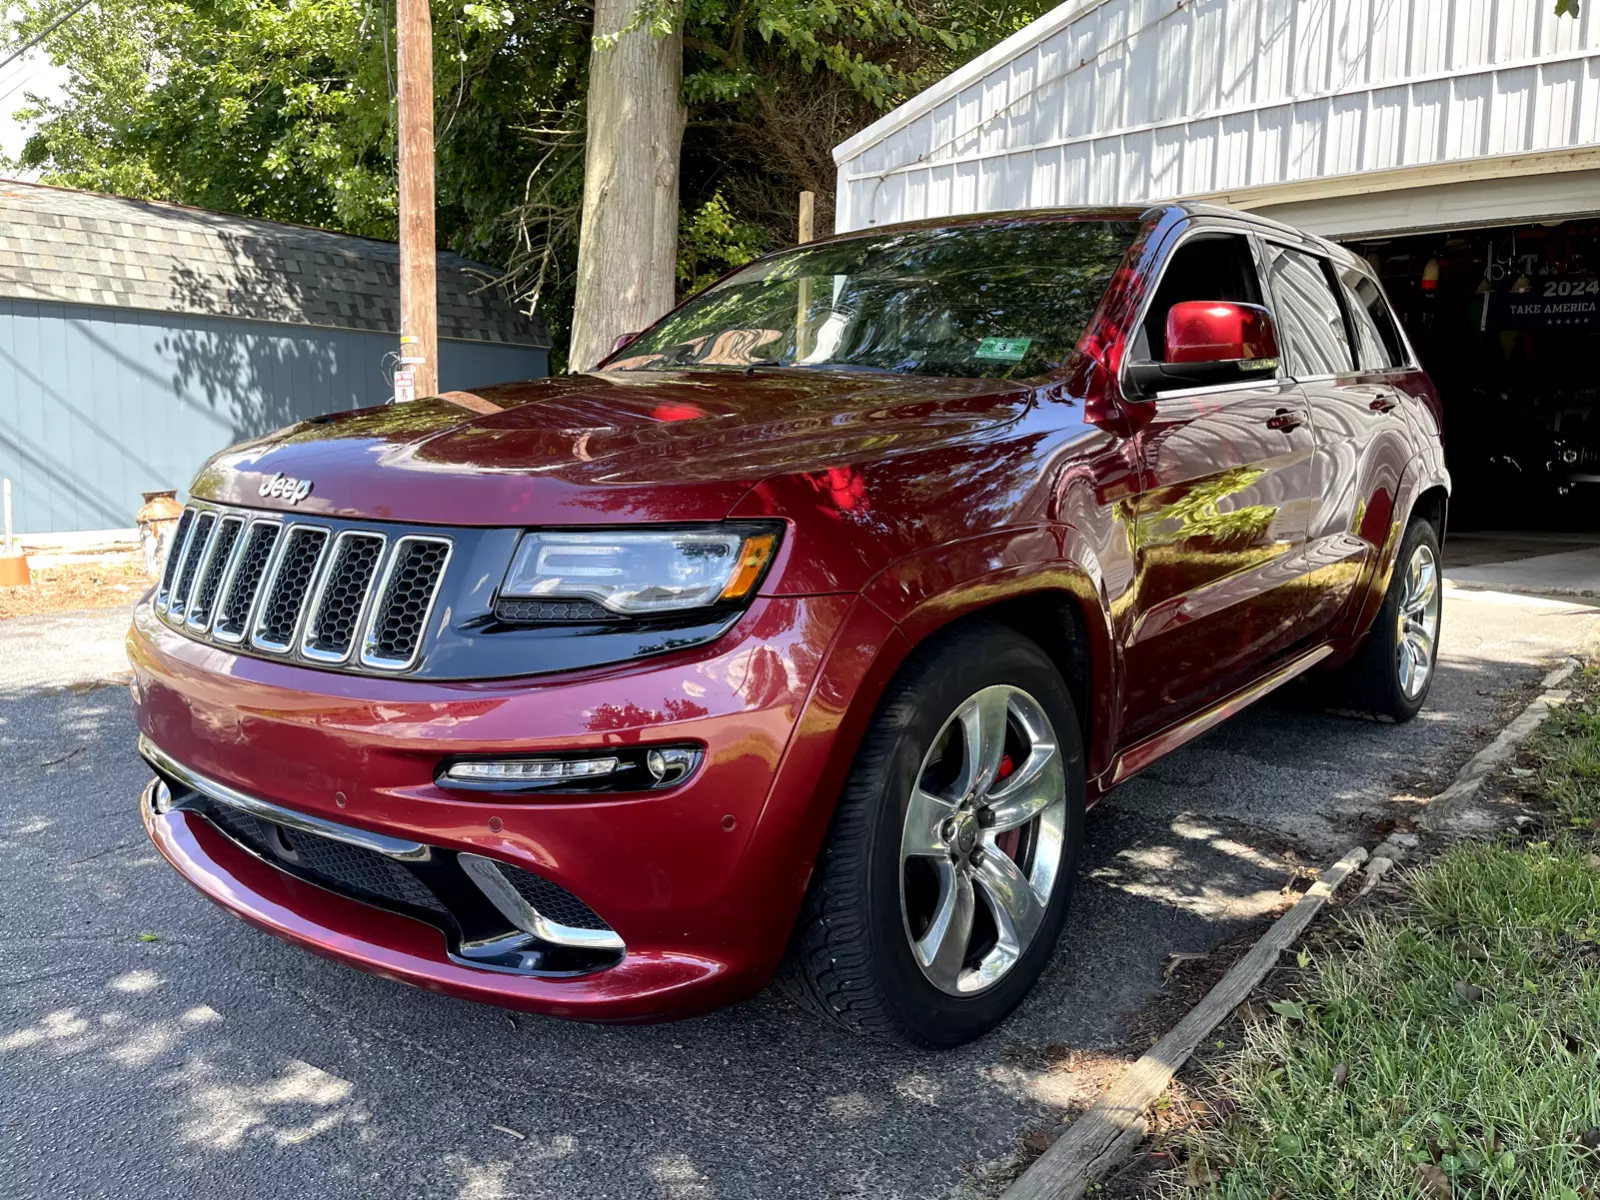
{"x":700,"y":883}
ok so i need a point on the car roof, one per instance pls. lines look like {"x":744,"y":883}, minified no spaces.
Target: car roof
{"x":1133,"y":213}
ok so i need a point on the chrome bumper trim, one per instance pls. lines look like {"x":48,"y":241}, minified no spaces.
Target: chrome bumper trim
{"x":485,"y":872}
{"x":221,"y":793}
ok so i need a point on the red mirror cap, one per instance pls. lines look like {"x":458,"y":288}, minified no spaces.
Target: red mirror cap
{"x":1201,"y":331}
{"x":622,"y":340}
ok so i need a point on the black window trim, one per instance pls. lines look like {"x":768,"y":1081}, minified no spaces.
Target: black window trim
{"x":1191,"y":228}
{"x":1331,"y":278}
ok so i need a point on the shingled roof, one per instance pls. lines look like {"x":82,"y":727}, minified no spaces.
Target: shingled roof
{"x":85,"y":248}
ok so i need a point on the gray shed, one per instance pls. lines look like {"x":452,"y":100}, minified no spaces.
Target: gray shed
{"x":136,"y":339}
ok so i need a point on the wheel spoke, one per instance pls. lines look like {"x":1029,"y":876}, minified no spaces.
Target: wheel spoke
{"x":1017,"y":911}
{"x":1037,"y":784}
{"x":921,"y":834}
{"x":942,"y":950}
{"x":1422,"y":642}
{"x":1420,"y":589}
{"x":983,"y":739}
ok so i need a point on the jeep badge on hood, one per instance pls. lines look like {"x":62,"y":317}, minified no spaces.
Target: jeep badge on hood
{"x":292,"y":490}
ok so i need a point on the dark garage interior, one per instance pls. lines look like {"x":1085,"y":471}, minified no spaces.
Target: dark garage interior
{"x":1507,"y":322}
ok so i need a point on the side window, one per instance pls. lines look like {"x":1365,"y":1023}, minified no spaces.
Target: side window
{"x":1309,"y":312}
{"x":1377,"y":338}
{"x":1211,"y":266}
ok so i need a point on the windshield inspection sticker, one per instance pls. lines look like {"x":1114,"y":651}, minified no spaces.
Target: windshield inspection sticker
{"x":1009,"y":350}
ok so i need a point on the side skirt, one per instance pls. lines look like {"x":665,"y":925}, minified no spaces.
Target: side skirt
{"x":1140,"y":755}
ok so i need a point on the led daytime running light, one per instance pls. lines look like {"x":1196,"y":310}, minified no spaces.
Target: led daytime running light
{"x":528,"y":770}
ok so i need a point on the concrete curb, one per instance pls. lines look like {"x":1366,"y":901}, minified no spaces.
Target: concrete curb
{"x":1114,"y":1126}
{"x":1455,"y":810}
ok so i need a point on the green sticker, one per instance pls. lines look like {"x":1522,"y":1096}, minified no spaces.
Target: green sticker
{"x":1009,"y":350}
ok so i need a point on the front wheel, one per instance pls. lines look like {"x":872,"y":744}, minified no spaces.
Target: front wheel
{"x":1392,"y":673}
{"x":944,"y":883}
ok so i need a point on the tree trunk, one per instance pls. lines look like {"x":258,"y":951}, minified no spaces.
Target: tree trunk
{"x":628,"y":244}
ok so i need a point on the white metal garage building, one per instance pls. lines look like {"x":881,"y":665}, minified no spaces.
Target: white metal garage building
{"x":1454,"y":142}
{"x":1341,"y":116}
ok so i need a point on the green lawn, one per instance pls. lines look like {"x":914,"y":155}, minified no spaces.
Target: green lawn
{"x":1445,"y":1046}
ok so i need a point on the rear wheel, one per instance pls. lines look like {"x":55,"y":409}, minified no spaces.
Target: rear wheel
{"x":1392,"y":673}
{"x":944,"y":883}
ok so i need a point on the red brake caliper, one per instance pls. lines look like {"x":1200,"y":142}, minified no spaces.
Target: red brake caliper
{"x":1011,"y":840}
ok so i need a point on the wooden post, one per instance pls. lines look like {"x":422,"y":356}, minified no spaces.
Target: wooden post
{"x":803,"y":335}
{"x":418,"y":373}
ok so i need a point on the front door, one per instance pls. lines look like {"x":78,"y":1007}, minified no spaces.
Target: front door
{"x":1226,"y":497}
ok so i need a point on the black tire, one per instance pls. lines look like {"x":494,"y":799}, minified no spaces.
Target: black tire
{"x":1371,"y":682}
{"x":850,"y":958}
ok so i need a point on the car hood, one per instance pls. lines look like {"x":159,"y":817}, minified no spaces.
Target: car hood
{"x":600,"y":447}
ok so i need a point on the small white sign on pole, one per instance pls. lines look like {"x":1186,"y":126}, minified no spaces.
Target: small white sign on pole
{"x":405,"y":385}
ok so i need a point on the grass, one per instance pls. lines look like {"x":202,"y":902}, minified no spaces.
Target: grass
{"x":1568,"y":751}
{"x":1447,"y":1046}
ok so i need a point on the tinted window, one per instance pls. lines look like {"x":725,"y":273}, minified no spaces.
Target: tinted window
{"x":986,"y":301}
{"x":1210,"y":266}
{"x":1308,"y":313}
{"x":1376,"y":336}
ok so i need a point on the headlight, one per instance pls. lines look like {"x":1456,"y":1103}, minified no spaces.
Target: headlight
{"x":641,"y":574}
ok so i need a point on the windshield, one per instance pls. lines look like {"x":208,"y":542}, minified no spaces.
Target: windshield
{"x":977,"y":301}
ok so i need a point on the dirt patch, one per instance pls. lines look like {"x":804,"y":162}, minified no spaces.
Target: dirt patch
{"x":77,"y":586}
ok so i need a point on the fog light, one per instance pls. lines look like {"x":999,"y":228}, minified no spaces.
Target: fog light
{"x":670,"y":765}
{"x":529,"y":772}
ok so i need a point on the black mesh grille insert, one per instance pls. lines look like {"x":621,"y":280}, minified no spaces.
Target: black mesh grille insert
{"x":206,"y":596}
{"x":511,"y":608}
{"x":191,"y":563}
{"x":175,"y":553}
{"x":252,"y":563}
{"x":339,"y":866}
{"x":280,"y":611}
{"x":333,"y":625}
{"x":403,"y":610}
{"x":552,"y":900}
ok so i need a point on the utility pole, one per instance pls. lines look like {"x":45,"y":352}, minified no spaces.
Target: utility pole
{"x":418,"y":373}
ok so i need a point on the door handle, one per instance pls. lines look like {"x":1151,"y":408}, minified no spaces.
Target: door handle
{"x":1286,"y":419}
{"x":1383,"y":404}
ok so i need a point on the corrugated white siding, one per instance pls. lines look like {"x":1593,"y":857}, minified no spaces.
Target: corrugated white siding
{"x":1127,"y":101}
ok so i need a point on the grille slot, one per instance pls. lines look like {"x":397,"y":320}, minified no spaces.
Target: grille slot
{"x":405,"y":603}
{"x":519,"y":609}
{"x":193,"y":552}
{"x":233,"y":616}
{"x":175,"y":549}
{"x":318,"y":592}
{"x":220,"y":555}
{"x":552,"y":901}
{"x":341,"y":598}
{"x":350,"y":870}
{"x":288,"y":586}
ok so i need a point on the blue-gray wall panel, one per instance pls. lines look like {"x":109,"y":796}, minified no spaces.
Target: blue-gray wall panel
{"x":99,"y":404}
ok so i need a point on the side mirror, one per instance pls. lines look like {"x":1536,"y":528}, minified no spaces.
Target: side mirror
{"x":623,"y":339}
{"x":1211,"y":342}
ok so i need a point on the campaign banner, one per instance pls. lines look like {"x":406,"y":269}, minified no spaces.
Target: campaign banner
{"x":1550,"y":304}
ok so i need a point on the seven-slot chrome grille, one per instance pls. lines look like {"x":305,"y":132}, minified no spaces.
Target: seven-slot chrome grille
{"x":301,"y":589}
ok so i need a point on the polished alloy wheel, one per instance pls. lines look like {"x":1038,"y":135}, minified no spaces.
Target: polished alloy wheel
{"x":1419,"y":621}
{"x":980,"y":852}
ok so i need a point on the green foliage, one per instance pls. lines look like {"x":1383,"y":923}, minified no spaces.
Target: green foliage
{"x":1568,"y":749}
{"x":1468,"y":1033}
{"x":283,"y":109}
{"x":712,"y":241}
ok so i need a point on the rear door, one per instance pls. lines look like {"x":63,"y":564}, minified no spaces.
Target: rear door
{"x":1221,"y":519}
{"x":1345,"y":364}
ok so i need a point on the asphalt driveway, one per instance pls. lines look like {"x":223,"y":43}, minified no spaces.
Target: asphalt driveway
{"x":151,"y":1045}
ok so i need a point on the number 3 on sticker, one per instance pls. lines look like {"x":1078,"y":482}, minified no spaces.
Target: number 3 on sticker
{"x":1009,"y":350}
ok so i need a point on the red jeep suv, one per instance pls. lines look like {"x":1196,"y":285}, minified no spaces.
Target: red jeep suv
{"x":798,"y":635}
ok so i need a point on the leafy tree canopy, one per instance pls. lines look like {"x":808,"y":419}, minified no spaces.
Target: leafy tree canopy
{"x":283,"y":109}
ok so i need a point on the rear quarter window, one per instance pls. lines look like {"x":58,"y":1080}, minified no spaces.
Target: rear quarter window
{"x":1378,"y":343}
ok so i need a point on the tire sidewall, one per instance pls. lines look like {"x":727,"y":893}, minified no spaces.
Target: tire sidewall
{"x":932,"y":693}
{"x":1400,"y":706}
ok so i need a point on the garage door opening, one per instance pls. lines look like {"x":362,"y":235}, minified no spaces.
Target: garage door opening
{"x":1507,"y":322}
